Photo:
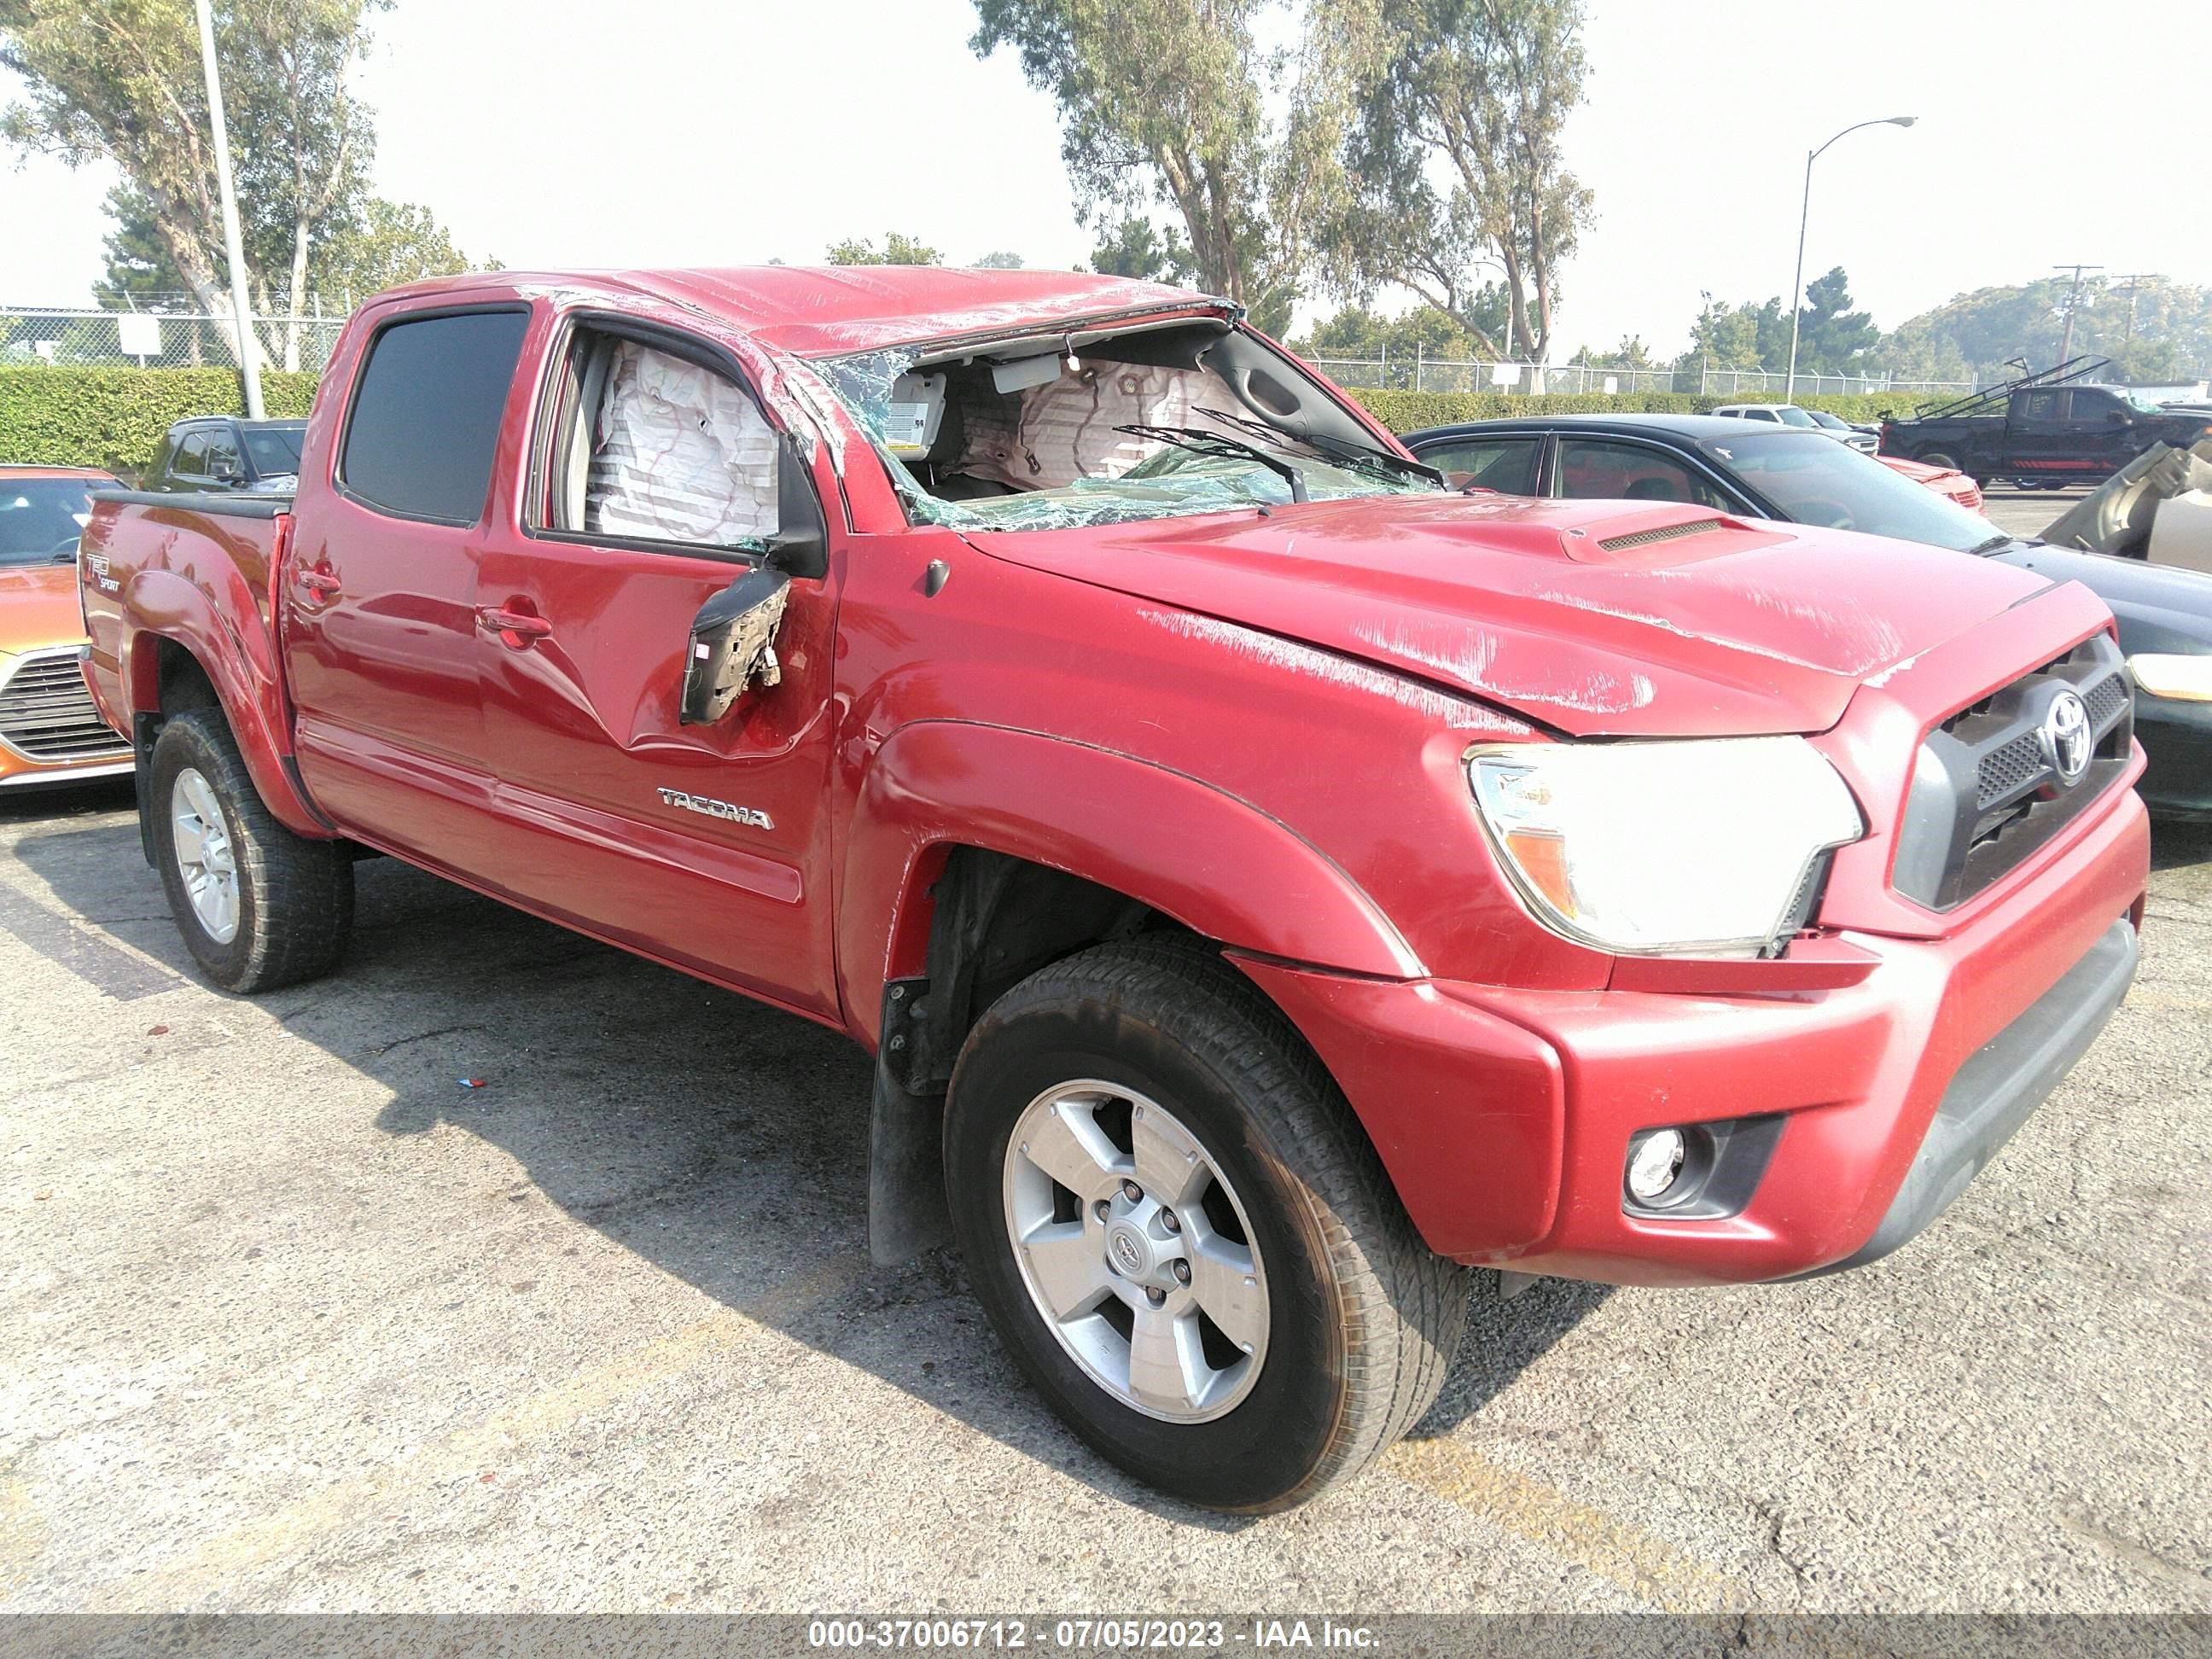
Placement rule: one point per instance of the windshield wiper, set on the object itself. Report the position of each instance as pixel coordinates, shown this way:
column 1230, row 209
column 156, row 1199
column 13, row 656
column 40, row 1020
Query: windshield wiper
column 1200, row 441
column 1992, row 544
column 1338, row 450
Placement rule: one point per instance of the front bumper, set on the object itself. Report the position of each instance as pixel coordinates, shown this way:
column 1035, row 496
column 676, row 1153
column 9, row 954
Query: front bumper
column 2004, row 1081
column 2177, row 740
column 1504, row 1116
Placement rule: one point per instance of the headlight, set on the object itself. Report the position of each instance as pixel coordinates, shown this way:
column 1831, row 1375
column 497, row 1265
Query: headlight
column 1705, row 846
column 2189, row 678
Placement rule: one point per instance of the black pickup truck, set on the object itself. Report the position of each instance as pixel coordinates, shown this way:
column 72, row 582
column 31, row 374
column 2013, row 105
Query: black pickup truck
column 2043, row 431
column 222, row 452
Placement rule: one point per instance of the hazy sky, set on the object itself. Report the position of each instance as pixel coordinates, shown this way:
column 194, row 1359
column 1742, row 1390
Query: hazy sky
column 693, row 132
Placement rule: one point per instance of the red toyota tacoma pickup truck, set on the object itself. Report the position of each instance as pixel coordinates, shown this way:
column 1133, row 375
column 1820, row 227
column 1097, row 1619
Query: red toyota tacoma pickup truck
column 1272, row 883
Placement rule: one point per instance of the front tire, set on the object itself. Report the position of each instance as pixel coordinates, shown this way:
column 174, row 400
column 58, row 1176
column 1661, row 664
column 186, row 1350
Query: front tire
column 259, row 907
column 1181, row 1235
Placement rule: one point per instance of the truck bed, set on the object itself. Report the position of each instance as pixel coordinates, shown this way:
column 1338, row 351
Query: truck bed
column 200, row 570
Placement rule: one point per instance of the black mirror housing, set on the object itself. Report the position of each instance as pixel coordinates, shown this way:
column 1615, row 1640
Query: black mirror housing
column 801, row 544
column 732, row 644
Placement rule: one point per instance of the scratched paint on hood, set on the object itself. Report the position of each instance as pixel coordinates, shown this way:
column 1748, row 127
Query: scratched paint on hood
column 1744, row 631
column 1465, row 657
column 1455, row 713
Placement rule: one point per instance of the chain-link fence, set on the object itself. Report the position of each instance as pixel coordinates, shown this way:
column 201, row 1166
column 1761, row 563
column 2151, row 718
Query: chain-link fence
column 1448, row 374
column 104, row 338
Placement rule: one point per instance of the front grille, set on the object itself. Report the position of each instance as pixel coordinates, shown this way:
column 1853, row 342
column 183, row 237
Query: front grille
column 1985, row 793
column 2005, row 769
column 46, row 714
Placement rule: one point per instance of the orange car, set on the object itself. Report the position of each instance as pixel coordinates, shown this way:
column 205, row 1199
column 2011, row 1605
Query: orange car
column 50, row 733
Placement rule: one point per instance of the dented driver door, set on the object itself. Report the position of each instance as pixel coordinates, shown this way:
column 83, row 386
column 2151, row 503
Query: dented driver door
column 650, row 489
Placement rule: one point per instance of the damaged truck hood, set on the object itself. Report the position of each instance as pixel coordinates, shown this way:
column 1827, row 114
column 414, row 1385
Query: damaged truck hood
column 1591, row 617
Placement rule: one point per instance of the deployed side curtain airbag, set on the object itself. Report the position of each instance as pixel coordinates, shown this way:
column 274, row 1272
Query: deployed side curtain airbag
column 679, row 455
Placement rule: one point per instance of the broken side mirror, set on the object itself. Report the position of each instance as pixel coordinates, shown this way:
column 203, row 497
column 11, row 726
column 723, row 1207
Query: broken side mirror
column 801, row 544
column 733, row 645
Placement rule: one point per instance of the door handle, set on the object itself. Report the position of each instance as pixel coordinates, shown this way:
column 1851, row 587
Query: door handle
column 321, row 583
column 517, row 627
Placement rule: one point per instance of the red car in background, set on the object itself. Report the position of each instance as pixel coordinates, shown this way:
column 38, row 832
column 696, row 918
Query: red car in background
column 1946, row 481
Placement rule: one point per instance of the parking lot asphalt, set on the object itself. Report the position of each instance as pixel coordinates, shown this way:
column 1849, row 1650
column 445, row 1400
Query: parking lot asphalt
column 2026, row 511
column 294, row 1320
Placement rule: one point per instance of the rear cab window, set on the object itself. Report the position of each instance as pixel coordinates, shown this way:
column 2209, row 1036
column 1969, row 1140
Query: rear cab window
column 426, row 413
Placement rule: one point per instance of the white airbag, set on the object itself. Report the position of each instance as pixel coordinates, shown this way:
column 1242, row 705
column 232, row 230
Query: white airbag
column 681, row 454
column 1066, row 428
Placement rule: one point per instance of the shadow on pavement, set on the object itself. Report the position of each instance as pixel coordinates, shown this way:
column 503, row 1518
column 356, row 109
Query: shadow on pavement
column 2173, row 845
column 58, row 803
column 723, row 1141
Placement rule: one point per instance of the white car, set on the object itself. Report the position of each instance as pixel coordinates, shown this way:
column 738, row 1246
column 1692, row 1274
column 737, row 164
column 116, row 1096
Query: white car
column 1816, row 420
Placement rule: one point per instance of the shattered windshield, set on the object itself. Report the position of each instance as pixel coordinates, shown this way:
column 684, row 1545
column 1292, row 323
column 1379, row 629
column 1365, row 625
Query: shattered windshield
column 1126, row 428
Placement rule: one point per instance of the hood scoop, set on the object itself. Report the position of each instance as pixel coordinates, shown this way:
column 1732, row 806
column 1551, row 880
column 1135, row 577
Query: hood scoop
column 1666, row 532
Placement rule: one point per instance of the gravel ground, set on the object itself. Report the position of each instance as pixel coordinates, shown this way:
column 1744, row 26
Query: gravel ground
column 293, row 1320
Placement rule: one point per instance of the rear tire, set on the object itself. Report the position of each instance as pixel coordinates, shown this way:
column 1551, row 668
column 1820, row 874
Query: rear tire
column 259, row 907
column 1942, row 458
column 1348, row 1322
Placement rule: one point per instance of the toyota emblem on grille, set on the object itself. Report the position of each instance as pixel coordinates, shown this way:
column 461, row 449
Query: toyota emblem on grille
column 2066, row 736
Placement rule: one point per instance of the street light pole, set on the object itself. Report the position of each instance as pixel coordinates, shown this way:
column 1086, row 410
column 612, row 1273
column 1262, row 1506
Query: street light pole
column 1804, row 215
column 233, row 248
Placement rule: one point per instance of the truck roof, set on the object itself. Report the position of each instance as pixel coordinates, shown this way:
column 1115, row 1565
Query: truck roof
column 825, row 310
column 1690, row 428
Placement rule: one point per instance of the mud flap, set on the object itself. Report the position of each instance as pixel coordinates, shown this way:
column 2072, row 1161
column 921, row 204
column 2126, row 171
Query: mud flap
column 907, row 1213
column 144, row 728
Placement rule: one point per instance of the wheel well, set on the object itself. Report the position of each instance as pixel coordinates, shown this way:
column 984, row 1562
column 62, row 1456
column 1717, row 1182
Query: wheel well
column 181, row 683
column 994, row 920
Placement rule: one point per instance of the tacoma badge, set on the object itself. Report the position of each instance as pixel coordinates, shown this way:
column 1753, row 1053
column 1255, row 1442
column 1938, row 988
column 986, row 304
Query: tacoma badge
column 711, row 808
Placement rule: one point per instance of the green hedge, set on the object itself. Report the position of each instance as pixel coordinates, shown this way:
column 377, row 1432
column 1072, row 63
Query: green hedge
column 114, row 417
column 1409, row 411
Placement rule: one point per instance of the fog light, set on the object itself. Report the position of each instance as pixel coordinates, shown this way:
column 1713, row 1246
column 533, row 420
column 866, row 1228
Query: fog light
column 1654, row 1164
